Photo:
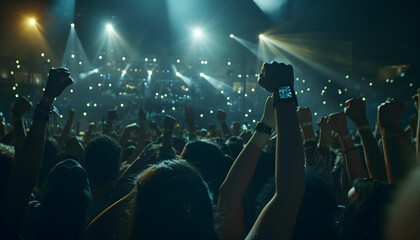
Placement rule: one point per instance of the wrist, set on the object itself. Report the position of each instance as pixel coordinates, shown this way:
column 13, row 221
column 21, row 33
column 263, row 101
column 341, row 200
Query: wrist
column 362, row 122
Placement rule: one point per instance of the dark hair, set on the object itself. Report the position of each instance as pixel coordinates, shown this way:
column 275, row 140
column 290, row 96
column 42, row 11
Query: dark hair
column 7, row 155
column 365, row 213
column 102, row 158
column 210, row 161
column 64, row 201
column 172, row 201
column 235, row 144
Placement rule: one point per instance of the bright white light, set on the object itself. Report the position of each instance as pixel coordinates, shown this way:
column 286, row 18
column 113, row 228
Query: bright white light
column 231, row 35
column 178, row 61
column 198, row 33
column 261, row 36
column 72, row 25
column 178, row 74
column 109, row 27
column 96, row 70
column 100, row 57
column 72, row 56
column 229, row 63
column 146, row 59
column 154, row 59
column 149, row 72
column 124, row 72
column 123, row 58
column 32, row 21
column 201, row 74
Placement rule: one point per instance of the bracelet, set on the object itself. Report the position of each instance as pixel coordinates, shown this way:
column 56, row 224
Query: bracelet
column 365, row 127
column 351, row 149
column 306, row 124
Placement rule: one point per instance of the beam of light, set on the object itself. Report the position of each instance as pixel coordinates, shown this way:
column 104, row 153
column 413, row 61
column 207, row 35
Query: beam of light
column 294, row 46
column 113, row 46
column 109, row 27
column 185, row 79
column 274, row 9
column 198, row 33
column 74, row 54
column 88, row 73
column 217, row 84
column 32, row 34
column 32, row 21
column 252, row 47
column 72, row 25
column 231, row 35
column 124, row 71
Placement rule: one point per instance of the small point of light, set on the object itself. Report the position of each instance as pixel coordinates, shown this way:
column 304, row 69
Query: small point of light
column 123, row 58
column 229, row 63
column 231, row 35
column 48, row 60
column 253, row 120
column 154, row 59
column 308, row 89
column 17, row 61
column 252, row 89
column 80, row 63
column 11, row 72
column 201, row 115
column 364, row 99
column 16, row 95
column 61, row 116
column 246, row 114
column 173, row 108
column 347, row 76
column 95, row 105
column 96, row 70
column 329, row 80
column 84, row 113
column 124, row 72
column 261, row 36
column 249, row 110
column 122, row 105
column 221, row 92
column 42, row 54
column 72, row 56
column 72, row 25
column 163, row 111
column 110, row 85
column 71, row 90
column 315, row 113
column 100, row 57
column 99, row 84
column 303, row 80
column 201, row 74
column 90, row 87
column 324, row 102
column 178, row 74
column 402, row 74
column 411, row 84
column 149, row 72
column 246, row 95
column 18, row 66
column 370, row 84
column 32, row 21
column 178, row 61
column 146, row 59
column 87, row 104
column 211, row 111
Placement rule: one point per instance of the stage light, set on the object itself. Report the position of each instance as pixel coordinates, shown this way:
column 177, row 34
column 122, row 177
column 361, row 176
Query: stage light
column 32, row 21
column 229, row 63
column 124, row 72
column 154, row 59
column 198, row 33
column 42, row 54
column 72, row 25
column 109, row 27
column 261, row 36
column 123, row 58
column 96, row 70
column 149, row 72
column 146, row 59
column 72, row 56
column 231, row 35
column 178, row 61
column 178, row 74
column 201, row 74
column 100, row 57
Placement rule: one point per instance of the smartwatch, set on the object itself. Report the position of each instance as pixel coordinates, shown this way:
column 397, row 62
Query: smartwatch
column 284, row 94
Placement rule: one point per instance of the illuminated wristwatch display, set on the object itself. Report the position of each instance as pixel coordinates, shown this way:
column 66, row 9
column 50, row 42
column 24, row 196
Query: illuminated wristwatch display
column 284, row 94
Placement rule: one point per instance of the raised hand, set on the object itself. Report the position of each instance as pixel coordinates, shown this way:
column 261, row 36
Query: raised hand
column 323, row 124
column 112, row 115
column 356, row 110
column 389, row 113
column 21, row 106
column 189, row 116
column 274, row 75
column 221, row 115
column 338, row 123
column 168, row 123
column 142, row 115
column 58, row 80
column 304, row 115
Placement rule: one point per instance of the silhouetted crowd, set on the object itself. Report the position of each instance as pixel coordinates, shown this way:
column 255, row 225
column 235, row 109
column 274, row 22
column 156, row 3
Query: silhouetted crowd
column 284, row 179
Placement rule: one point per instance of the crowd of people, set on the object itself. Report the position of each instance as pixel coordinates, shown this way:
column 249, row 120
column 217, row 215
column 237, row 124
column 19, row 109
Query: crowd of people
column 286, row 179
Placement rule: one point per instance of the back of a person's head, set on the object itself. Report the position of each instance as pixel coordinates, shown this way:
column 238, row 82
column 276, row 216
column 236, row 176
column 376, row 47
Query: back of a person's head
column 102, row 159
column 7, row 155
column 365, row 213
column 235, row 144
column 210, row 160
column 172, row 201
column 64, row 201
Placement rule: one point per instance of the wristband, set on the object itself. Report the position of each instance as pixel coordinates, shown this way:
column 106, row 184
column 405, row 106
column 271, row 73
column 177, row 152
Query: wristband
column 263, row 128
column 306, row 124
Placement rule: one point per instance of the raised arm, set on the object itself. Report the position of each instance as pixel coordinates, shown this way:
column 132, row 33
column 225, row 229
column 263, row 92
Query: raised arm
column 277, row 220
column 355, row 166
column 229, row 208
column 356, row 111
column 64, row 134
column 417, row 104
column 395, row 142
column 21, row 106
column 25, row 170
column 221, row 116
column 189, row 119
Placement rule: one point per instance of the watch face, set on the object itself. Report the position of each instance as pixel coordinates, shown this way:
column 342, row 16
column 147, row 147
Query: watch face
column 285, row 92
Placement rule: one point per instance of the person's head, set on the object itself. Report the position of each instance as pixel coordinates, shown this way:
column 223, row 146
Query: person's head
column 102, row 158
column 210, row 160
column 172, row 201
column 366, row 210
column 235, row 144
column 64, row 201
column 7, row 155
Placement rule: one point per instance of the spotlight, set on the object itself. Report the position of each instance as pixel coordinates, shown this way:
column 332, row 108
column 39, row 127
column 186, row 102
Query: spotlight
column 96, row 70
column 178, row 74
column 32, row 21
column 72, row 25
column 149, row 72
column 109, row 27
column 123, row 58
column 231, row 35
column 201, row 74
column 261, row 36
column 198, row 33
column 146, row 59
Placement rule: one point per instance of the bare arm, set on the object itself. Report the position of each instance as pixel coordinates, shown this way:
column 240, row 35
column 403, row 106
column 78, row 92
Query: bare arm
column 356, row 111
column 229, row 208
column 278, row 217
column 21, row 106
